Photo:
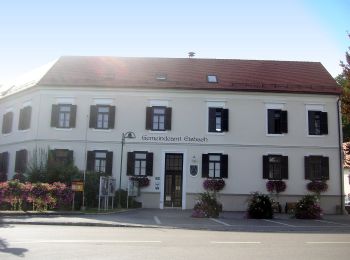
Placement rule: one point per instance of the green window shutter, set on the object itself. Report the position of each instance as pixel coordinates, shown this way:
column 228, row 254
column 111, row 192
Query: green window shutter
column 93, row 117
column 70, row 156
column 205, row 165
column 73, row 116
column 21, row 120
column 5, row 161
column 90, row 161
column 18, row 162
column 130, row 163
column 168, row 118
column 109, row 163
column 212, row 119
column 311, row 120
column 284, row 121
column 284, row 168
column 27, row 117
column 111, row 117
column 54, row 115
column 270, row 121
column 224, row 166
column 149, row 164
column 307, row 167
column 266, row 167
column 149, row 119
column 324, row 123
column 325, row 168
column 224, row 120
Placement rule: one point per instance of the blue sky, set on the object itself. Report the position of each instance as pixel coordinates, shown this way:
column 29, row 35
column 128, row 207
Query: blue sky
column 33, row 33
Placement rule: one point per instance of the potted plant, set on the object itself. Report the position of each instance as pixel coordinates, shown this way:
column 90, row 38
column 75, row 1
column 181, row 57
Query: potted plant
column 214, row 185
column 142, row 180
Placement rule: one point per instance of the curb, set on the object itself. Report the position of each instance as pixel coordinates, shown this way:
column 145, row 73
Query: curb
column 78, row 224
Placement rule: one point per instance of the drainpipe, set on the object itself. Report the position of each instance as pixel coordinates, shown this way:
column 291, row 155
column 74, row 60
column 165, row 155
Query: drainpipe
column 340, row 159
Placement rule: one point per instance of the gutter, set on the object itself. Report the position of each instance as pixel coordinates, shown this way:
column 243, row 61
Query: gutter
column 340, row 137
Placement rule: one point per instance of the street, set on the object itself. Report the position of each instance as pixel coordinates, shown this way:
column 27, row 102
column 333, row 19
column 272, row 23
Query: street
column 72, row 242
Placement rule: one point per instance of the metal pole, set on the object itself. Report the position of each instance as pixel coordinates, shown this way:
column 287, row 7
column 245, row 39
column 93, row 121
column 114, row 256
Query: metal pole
column 120, row 174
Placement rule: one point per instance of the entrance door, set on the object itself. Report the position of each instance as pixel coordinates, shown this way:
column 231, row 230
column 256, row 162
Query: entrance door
column 173, row 180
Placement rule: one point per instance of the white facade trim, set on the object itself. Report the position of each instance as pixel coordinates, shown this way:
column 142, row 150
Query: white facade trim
column 103, row 101
column 65, row 100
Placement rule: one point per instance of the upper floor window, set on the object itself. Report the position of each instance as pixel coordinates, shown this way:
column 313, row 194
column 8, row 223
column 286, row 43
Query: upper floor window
column 100, row 161
column 277, row 121
column 212, row 79
column 218, row 119
column 7, row 122
column 63, row 115
column 102, row 116
column 25, row 118
column 140, row 163
column 158, row 118
column 21, row 161
column 215, row 165
column 275, row 167
column 316, row 167
column 318, row 122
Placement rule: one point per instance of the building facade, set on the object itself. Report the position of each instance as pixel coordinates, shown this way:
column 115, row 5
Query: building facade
column 244, row 121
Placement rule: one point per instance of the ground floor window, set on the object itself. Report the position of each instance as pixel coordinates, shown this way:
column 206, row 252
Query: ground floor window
column 140, row 163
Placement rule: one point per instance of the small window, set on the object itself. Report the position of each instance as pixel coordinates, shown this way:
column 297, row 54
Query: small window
column 99, row 161
column 275, row 167
column 63, row 115
column 218, row 119
column 21, row 161
column 24, row 118
column 140, row 163
column 7, row 123
column 316, row 167
column 102, row 117
column 214, row 165
column 318, row 122
column 277, row 121
column 212, row 79
column 158, row 118
column 61, row 156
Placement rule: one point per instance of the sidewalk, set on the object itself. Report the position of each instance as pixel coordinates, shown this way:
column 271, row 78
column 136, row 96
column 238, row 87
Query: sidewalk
column 173, row 218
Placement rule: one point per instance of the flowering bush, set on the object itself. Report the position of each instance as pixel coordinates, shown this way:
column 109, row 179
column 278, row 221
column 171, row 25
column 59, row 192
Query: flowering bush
column 276, row 186
column 41, row 196
column 207, row 206
column 20, row 177
column 142, row 180
column 260, row 206
column 214, row 184
column 308, row 208
column 317, row 186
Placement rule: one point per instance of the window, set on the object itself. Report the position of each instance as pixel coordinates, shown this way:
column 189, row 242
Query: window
column 158, row 118
column 214, row 165
column 7, row 123
column 24, row 118
column 140, row 163
column 100, row 161
column 102, row 117
column 316, row 168
column 61, row 156
column 161, row 77
column 318, row 122
column 63, row 116
column 4, row 162
column 21, row 161
column 277, row 121
column 212, row 79
column 275, row 167
column 218, row 120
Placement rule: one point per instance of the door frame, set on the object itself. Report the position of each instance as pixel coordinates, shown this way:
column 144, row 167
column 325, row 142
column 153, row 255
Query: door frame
column 184, row 176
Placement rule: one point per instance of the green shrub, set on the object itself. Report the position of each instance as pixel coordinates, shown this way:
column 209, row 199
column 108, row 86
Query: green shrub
column 207, row 206
column 308, row 208
column 260, row 206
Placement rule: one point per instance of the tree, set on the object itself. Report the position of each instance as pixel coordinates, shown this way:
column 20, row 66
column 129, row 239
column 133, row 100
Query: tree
column 344, row 81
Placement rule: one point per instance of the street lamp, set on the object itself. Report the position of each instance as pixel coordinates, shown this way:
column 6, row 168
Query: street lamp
column 127, row 135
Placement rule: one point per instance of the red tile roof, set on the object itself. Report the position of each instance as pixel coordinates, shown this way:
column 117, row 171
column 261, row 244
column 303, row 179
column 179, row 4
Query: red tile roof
column 185, row 73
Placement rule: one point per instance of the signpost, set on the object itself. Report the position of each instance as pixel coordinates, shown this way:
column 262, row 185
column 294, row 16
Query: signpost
column 133, row 190
column 77, row 186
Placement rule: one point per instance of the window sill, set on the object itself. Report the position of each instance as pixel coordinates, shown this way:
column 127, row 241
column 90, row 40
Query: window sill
column 101, row 130
column 158, row 132
column 6, row 134
column 275, row 135
column 24, row 130
column 316, row 136
column 63, row 129
column 216, row 133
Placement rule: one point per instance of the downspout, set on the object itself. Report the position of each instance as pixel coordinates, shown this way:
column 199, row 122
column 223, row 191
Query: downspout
column 340, row 159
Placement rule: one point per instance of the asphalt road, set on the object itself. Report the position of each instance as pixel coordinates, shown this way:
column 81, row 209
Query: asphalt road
column 64, row 242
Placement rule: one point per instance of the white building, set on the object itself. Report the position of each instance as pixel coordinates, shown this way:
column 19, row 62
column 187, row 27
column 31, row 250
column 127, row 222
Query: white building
column 243, row 120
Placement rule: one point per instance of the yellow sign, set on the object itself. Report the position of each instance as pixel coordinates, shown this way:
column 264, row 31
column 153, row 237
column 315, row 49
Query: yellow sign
column 77, row 185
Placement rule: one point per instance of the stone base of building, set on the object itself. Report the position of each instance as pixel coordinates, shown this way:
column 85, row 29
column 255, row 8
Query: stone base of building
column 238, row 202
